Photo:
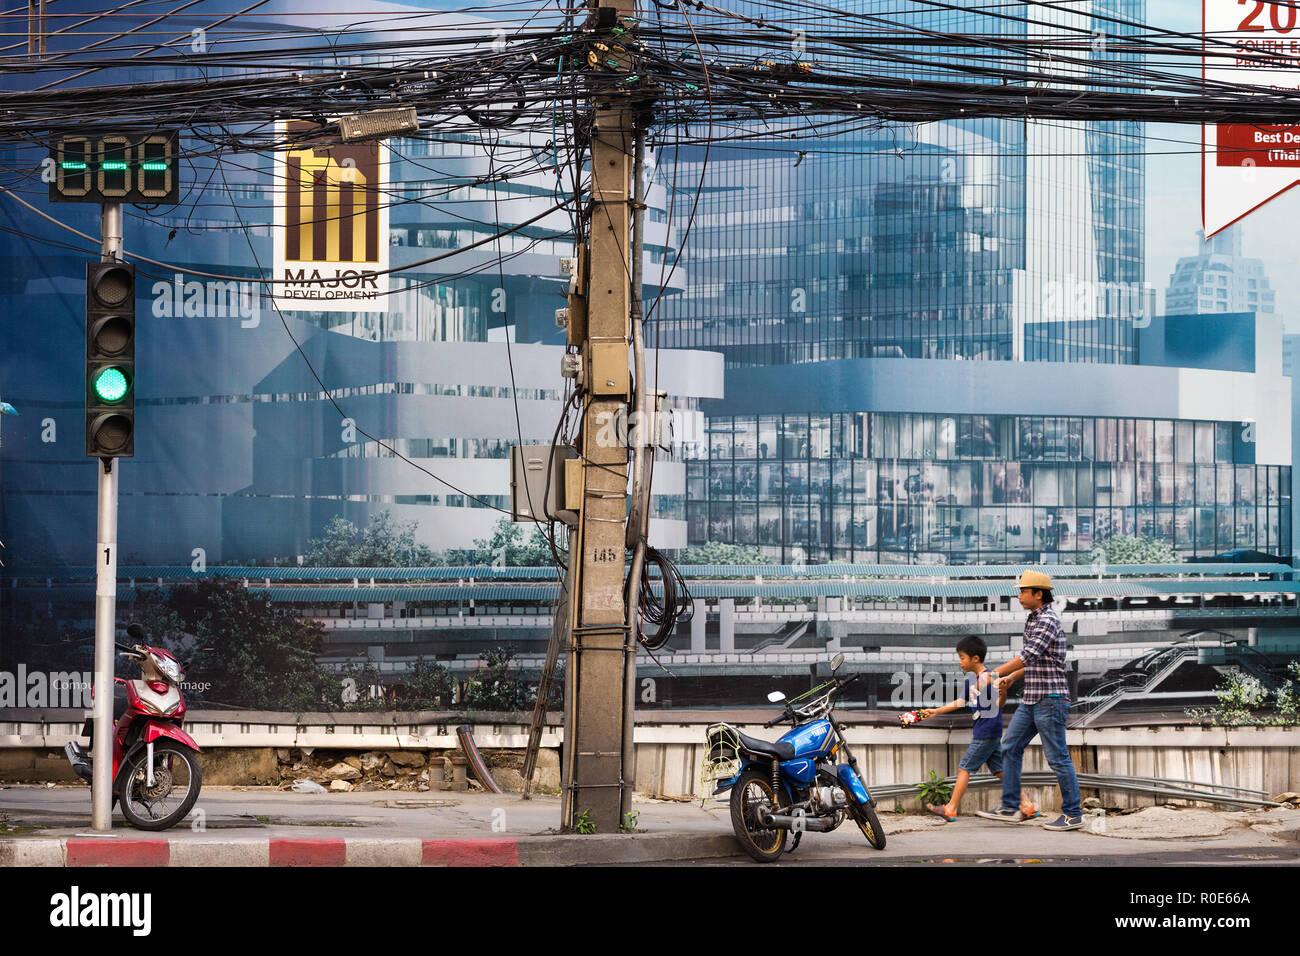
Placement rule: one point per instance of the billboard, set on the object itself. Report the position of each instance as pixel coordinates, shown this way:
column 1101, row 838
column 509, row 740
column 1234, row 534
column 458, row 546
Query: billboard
column 1243, row 165
column 331, row 222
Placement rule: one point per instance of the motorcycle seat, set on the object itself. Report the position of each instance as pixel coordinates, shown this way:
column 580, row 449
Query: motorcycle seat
column 781, row 750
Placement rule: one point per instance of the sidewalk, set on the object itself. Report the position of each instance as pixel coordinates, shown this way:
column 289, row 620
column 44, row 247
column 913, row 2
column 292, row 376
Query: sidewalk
column 261, row 826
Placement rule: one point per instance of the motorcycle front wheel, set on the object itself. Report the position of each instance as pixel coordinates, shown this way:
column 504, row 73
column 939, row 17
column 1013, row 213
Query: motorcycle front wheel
column 175, row 788
column 869, row 824
column 751, row 791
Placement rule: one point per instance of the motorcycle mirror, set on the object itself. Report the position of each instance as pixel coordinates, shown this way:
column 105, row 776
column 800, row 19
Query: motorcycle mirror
column 136, row 631
column 836, row 661
column 776, row 697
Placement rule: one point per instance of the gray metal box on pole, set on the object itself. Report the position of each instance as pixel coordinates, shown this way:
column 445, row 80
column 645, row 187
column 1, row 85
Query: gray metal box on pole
column 537, row 478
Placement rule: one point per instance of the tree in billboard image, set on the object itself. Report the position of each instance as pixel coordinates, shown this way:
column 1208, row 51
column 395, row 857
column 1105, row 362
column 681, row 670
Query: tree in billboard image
column 720, row 552
column 1126, row 549
column 497, row 685
column 384, row 543
column 1242, row 700
column 510, row 548
column 246, row 654
column 428, row 685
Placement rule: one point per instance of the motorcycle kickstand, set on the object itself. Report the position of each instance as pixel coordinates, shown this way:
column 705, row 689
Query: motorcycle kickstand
column 795, row 845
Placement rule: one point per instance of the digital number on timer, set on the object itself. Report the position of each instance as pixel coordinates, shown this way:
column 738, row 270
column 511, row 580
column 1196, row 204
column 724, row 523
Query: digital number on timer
column 115, row 167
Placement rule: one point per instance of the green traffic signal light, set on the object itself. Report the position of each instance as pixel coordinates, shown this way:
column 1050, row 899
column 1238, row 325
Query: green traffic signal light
column 111, row 385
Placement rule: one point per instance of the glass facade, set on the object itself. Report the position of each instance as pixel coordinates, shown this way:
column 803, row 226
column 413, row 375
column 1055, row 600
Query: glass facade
column 983, row 239
column 964, row 489
column 995, row 240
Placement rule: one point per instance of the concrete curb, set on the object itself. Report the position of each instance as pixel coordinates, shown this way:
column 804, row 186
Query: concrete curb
column 559, row 850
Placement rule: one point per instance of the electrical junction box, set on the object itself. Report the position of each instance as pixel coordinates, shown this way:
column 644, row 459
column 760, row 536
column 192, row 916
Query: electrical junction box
column 610, row 374
column 532, row 496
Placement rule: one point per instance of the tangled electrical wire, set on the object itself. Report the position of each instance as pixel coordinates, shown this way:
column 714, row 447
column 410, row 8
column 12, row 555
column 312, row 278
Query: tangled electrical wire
column 784, row 60
column 664, row 612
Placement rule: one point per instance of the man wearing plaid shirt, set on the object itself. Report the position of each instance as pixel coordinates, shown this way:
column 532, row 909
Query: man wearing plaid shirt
column 1044, row 703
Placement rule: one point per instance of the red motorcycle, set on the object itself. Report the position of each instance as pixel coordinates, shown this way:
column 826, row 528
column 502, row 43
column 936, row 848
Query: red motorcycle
column 156, row 774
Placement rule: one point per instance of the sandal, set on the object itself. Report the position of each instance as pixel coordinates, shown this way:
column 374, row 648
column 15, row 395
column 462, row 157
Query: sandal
column 1031, row 814
column 940, row 812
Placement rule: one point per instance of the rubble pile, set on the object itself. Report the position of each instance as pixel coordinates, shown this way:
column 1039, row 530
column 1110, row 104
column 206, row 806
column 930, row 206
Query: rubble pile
column 346, row 770
column 410, row 770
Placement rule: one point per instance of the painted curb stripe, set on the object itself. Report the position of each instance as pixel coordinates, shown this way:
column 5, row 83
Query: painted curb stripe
column 308, row 852
column 219, row 853
column 391, row 852
column 109, row 852
column 470, row 853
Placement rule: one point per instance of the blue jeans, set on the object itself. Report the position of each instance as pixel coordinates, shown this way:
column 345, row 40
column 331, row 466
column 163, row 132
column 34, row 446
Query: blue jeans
column 1045, row 718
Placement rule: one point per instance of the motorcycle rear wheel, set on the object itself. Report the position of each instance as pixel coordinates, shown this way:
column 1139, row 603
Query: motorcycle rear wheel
column 869, row 824
column 752, row 790
column 160, row 810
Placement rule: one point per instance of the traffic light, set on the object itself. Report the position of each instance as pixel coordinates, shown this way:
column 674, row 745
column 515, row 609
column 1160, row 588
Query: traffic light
column 110, row 360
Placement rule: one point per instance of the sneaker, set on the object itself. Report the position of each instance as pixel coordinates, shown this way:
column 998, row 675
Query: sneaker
column 1006, row 816
column 1065, row 823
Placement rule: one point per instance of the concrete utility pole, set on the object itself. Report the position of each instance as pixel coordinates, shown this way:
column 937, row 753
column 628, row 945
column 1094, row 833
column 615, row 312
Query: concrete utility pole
column 101, row 789
column 600, row 649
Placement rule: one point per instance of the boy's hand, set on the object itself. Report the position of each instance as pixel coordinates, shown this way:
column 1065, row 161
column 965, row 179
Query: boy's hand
column 927, row 712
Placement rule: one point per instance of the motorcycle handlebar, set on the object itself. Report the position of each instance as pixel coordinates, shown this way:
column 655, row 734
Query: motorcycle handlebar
column 776, row 720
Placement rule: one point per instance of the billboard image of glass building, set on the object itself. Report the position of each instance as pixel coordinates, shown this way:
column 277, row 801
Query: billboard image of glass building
column 912, row 342
column 941, row 345
column 246, row 447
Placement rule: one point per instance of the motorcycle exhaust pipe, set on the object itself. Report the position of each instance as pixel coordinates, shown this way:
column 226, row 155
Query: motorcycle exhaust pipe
column 784, row 821
column 79, row 759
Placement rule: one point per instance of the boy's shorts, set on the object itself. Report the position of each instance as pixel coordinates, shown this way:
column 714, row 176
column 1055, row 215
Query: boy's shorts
column 981, row 752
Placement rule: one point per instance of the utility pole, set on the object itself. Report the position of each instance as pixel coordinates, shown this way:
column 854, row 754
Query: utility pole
column 101, row 795
column 36, row 27
column 600, row 647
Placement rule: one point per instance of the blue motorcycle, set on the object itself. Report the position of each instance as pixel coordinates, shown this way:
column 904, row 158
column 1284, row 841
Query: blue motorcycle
column 797, row 784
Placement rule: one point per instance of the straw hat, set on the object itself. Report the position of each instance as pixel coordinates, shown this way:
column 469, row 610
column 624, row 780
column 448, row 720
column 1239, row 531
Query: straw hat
column 1035, row 579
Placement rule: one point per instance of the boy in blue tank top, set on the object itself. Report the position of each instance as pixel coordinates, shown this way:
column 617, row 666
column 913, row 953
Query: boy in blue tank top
column 986, row 743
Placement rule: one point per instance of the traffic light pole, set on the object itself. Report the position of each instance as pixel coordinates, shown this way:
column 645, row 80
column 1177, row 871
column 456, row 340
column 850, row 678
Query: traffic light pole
column 110, row 231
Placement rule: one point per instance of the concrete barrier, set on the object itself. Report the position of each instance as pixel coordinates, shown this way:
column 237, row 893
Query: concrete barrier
column 1263, row 758
column 668, row 755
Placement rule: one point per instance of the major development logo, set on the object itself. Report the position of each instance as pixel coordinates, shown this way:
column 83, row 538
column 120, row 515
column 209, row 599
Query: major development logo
column 331, row 222
column 1243, row 166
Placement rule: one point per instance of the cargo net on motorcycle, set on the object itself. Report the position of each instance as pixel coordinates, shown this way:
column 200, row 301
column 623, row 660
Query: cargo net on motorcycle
column 721, row 759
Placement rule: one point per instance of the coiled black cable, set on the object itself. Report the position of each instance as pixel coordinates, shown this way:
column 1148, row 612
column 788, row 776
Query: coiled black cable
column 666, row 612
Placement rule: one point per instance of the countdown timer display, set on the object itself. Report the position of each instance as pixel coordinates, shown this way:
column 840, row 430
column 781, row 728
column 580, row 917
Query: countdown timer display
column 113, row 166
